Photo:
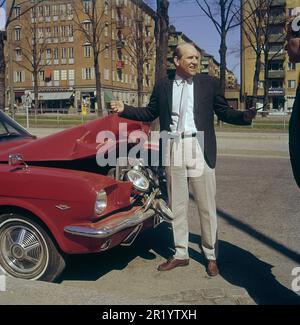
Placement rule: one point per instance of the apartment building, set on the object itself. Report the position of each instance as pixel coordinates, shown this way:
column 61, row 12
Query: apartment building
column 282, row 76
column 53, row 39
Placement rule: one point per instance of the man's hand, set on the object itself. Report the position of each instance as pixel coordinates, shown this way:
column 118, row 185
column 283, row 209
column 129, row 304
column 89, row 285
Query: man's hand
column 250, row 114
column 117, row 106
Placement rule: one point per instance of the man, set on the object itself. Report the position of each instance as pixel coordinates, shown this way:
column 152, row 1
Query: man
column 293, row 49
column 202, row 98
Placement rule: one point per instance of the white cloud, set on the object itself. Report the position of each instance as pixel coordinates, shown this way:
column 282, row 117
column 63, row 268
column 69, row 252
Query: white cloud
column 2, row 18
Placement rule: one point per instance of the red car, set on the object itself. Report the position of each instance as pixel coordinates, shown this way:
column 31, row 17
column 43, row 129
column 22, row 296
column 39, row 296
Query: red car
column 56, row 200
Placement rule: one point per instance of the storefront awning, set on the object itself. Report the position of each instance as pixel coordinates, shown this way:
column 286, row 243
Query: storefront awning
column 54, row 96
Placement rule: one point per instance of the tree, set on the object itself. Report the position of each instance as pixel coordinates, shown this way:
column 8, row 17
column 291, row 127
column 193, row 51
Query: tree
column 223, row 14
column 161, row 33
column 10, row 7
column 140, row 47
column 90, row 20
column 259, row 17
column 33, row 53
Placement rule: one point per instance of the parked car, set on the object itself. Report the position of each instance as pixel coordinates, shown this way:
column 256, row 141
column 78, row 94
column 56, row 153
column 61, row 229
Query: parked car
column 56, row 200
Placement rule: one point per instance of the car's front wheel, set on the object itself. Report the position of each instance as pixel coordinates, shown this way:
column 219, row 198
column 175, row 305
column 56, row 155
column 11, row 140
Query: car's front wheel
column 27, row 251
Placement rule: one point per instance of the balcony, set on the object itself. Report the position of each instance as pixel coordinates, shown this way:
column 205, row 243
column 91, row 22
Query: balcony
column 276, row 74
column 276, row 92
column 276, row 38
column 276, row 20
column 276, row 57
column 278, row 3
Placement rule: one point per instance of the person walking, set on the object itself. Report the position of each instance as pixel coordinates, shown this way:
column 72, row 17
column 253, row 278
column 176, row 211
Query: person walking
column 186, row 105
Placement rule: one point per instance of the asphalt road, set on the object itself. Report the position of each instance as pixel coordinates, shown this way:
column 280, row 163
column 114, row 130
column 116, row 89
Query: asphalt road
column 259, row 222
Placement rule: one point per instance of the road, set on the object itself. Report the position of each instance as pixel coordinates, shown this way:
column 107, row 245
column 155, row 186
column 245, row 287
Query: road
column 259, row 221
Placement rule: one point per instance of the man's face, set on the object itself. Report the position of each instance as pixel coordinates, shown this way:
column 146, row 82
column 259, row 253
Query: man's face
column 187, row 64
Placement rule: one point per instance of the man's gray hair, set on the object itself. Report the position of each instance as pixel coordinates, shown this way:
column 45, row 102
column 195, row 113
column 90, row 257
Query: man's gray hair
column 178, row 50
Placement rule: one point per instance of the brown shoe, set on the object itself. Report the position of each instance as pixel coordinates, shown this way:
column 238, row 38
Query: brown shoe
column 212, row 268
column 172, row 263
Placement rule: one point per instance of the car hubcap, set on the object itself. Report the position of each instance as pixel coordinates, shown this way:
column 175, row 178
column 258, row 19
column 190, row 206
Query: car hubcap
column 23, row 252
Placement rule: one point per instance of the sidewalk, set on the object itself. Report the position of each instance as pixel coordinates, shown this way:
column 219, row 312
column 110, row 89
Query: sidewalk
column 23, row 292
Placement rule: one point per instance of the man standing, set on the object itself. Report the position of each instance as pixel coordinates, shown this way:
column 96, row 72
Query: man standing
column 185, row 105
column 293, row 49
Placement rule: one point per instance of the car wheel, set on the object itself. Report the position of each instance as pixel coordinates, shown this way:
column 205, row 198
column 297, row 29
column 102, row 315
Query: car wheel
column 27, row 251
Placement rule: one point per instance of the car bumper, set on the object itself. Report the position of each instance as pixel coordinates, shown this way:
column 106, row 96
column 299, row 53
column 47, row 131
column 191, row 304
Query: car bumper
column 112, row 225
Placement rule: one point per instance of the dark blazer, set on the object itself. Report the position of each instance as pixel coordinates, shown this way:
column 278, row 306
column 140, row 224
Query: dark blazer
column 294, row 138
column 207, row 101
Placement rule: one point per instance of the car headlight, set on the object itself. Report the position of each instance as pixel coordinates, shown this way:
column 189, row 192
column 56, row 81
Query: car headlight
column 138, row 179
column 101, row 202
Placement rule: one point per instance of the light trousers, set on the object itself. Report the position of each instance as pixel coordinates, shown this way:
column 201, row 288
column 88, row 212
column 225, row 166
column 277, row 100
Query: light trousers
column 203, row 184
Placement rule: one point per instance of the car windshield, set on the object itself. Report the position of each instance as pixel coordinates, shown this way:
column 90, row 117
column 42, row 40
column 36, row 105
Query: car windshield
column 10, row 129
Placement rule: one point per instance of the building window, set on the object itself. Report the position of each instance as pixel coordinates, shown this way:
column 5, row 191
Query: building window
column 71, row 74
column 47, row 11
column 87, row 51
column 18, row 54
column 42, row 75
column 63, row 53
column 54, row 10
column 62, row 9
column 55, row 31
column 63, row 74
column 87, row 73
column 87, row 26
column 292, row 66
column 17, row 12
column 71, row 53
column 106, row 74
column 55, row 54
column 71, row 31
column 292, row 84
column 48, row 53
column 63, row 31
column 69, row 9
column 87, row 6
column 19, row 76
column 48, row 32
column 17, row 34
column 56, row 75
column 41, row 11
column 106, row 7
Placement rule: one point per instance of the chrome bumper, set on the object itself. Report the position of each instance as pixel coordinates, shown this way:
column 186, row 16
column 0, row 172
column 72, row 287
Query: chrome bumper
column 112, row 226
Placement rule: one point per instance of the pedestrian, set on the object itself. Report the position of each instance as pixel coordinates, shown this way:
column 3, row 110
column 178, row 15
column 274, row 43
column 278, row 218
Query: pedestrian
column 293, row 49
column 202, row 98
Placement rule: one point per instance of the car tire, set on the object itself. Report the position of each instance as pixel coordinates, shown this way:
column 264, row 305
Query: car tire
column 27, row 251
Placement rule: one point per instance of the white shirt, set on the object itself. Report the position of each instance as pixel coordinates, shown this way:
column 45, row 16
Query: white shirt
column 189, row 125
